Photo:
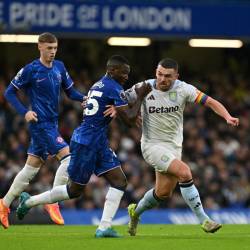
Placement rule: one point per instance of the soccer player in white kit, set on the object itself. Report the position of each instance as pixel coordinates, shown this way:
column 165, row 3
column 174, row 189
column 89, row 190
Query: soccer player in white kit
column 161, row 142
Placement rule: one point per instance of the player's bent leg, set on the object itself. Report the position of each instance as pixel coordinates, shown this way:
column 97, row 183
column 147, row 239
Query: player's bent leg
column 163, row 189
column 59, row 193
column 4, row 214
column 210, row 226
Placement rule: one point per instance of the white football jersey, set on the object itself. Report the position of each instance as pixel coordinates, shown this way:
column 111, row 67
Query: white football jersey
column 162, row 113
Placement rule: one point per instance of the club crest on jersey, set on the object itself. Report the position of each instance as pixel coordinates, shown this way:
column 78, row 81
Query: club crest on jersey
column 173, row 96
column 123, row 95
column 59, row 139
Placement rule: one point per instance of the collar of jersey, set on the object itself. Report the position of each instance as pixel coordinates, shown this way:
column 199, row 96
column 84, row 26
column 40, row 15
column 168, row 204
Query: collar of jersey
column 44, row 65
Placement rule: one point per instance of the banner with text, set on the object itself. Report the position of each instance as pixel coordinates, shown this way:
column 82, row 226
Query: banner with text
column 105, row 18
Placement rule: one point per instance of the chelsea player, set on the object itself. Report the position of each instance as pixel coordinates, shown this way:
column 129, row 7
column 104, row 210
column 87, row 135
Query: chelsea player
column 89, row 147
column 41, row 80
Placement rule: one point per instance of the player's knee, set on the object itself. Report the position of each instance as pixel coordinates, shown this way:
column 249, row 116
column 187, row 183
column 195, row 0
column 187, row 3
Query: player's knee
column 185, row 174
column 163, row 194
column 120, row 184
column 74, row 192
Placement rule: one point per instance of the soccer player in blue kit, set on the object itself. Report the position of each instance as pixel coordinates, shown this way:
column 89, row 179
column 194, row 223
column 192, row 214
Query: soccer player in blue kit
column 89, row 147
column 41, row 81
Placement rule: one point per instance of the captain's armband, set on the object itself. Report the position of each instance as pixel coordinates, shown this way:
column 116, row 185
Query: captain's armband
column 201, row 98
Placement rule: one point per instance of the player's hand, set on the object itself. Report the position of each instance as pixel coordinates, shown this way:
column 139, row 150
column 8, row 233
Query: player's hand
column 84, row 102
column 31, row 116
column 110, row 111
column 233, row 121
column 142, row 89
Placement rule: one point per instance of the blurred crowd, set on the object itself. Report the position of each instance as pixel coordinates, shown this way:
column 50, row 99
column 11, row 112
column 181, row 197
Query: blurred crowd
column 218, row 154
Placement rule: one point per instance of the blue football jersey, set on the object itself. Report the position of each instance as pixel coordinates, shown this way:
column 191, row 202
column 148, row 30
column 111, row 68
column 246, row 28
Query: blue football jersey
column 42, row 85
column 104, row 92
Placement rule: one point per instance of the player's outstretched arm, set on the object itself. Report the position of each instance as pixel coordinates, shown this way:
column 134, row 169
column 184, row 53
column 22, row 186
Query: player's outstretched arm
column 129, row 113
column 219, row 108
column 74, row 94
column 139, row 89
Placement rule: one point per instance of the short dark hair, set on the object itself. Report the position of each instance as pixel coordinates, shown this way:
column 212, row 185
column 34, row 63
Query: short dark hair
column 47, row 38
column 117, row 60
column 169, row 63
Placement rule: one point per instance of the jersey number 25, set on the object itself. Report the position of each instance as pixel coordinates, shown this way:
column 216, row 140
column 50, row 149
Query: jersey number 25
column 92, row 102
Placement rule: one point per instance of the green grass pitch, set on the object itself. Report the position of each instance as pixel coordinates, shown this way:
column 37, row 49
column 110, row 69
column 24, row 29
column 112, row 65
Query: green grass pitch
column 149, row 237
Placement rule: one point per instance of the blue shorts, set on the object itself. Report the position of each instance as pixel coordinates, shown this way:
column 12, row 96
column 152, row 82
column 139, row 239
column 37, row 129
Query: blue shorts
column 85, row 160
column 45, row 139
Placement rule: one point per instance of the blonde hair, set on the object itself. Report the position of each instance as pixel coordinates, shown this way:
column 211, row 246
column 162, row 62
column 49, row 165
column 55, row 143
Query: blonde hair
column 47, row 38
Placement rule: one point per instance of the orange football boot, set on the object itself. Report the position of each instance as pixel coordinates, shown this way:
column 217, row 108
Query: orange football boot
column 54, row 213
column 4, row 214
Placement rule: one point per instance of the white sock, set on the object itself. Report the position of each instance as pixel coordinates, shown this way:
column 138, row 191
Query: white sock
column 56, row 194
column 192, row 198
column 111, row 205
column 19, row 184
column 62, row 176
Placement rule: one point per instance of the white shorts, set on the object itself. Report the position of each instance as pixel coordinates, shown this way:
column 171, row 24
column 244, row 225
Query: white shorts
column 160, row 155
